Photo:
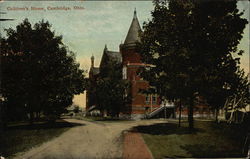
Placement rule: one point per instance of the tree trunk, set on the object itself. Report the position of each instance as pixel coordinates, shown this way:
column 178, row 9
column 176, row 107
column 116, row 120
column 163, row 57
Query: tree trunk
column 180, row 114
column 37, row 116
column 101, row 112
column 190, row 113
column 31, row 117
column 3, row 122
column 216, row 115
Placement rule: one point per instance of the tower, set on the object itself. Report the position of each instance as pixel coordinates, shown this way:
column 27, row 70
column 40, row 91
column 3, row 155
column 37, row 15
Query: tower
column 131, row 61
column 128, row 49
column 93, row 76
column 92, row 61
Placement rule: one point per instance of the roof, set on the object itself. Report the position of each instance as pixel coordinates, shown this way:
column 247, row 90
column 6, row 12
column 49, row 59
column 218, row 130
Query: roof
column 133, row 32
column 114, row 56
column 95, row 70
column 108, row 56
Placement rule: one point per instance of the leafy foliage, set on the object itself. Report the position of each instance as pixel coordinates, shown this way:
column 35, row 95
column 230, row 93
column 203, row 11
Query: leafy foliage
column 191, row 46
column 39, row 73
column 111, row 89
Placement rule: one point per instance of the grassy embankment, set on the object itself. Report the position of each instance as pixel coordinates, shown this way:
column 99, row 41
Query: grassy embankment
column 21, row 136
column 207, row 140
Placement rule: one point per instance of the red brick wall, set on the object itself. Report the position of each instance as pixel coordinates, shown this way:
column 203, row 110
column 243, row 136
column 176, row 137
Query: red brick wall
column 133, row 62
column 130, row 56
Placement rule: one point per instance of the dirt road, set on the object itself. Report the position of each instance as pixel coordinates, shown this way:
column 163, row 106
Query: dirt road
column 91, row 140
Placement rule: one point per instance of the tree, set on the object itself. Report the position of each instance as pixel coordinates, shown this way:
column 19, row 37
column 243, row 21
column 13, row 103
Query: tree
column 241, row 96
column 111, row 89
column 190, row 44
column 218, row 95
column 76, row 109
column 39, row 73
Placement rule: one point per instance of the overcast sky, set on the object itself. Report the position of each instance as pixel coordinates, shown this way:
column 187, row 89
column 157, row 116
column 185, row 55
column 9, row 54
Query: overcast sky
column 87, row 30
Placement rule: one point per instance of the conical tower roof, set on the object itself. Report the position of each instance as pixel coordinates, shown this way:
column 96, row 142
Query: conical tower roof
column 133, row 32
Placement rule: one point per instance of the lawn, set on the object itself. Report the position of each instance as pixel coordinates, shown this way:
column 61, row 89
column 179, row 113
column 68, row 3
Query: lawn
column 207, row 140
column 20, row 137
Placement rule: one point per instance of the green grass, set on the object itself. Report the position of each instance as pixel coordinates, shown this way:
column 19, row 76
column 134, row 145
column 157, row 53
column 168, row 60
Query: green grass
column 207, row 140
column 21, row 137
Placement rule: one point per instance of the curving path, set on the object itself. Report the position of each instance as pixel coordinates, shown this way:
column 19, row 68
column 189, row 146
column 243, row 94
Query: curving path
column 91, row 140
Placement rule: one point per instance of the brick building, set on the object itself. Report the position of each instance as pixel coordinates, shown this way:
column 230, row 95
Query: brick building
column 141, row 104
column 131, row 62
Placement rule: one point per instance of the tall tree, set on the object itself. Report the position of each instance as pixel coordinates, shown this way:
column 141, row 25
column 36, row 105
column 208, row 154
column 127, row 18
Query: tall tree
column 111, row 89
column 240, row 98
column 39, row 72
column 190, row 43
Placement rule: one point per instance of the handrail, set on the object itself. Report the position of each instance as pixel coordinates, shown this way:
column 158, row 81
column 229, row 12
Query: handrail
column 155, row 111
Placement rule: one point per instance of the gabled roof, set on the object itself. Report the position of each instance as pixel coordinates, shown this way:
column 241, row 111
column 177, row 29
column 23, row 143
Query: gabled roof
column 110, row 56
column 133, row 32
column 114, row 56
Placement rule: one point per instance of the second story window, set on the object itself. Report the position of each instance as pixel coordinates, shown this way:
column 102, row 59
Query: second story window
column 124, row 72
column 151, row 99
column 154, row 99
column 148, row 99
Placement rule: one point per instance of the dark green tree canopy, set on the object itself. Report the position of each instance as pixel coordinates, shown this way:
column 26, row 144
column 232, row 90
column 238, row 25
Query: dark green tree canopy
column 111, row 90
column 191, row 45
column 38, row 69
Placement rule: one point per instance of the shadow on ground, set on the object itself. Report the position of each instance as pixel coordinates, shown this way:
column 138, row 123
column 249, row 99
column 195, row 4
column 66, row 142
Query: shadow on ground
column 44, row 125
column 164, row 129
column 21, row 136
column 211, row 151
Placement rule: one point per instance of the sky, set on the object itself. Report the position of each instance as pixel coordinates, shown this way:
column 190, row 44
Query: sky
column 86, row 31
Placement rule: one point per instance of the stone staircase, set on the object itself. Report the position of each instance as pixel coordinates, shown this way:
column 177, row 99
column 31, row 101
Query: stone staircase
column 155, row 112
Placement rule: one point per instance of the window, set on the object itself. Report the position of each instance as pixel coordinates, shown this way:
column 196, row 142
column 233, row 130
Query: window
column 124, row 72
column 151, row 98
column 154, row 99
column 126, row 93
column 148, row 99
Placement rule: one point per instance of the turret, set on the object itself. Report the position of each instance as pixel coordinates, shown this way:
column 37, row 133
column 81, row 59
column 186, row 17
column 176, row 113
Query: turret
column 128, row 48
column 105, row 48
column 133, row 33
column 92, row 61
